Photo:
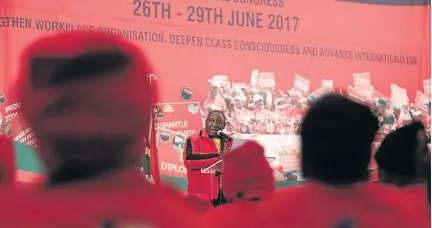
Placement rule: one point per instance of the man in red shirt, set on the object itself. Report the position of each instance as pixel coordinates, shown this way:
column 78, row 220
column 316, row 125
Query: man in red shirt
column 397, row 161
column 88, row 98
column 203, row 149
column 335, row 166
column 247, row 180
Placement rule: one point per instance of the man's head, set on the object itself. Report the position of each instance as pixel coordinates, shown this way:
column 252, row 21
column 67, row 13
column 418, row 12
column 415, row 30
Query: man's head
column 336, row 141
column 215, row 122
column 382, row 106
column 259, row 101
column 397, row 155
column 86, row 95
column 247, row 174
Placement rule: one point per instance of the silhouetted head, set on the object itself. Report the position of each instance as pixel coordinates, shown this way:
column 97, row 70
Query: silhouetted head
column 336, row 141
column 397, row 155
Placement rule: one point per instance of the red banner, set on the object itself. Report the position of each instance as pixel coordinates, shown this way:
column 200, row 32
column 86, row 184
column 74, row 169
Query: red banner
column 170, row 152
column 181, row 117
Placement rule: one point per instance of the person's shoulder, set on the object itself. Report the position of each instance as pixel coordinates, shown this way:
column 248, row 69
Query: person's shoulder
column 283, row 201
column 384, row 192
column 195, row 135
column 291, row 192
column 397, row 204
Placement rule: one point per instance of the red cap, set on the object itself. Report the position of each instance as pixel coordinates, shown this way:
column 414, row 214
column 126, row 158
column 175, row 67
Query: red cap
column 246, row 173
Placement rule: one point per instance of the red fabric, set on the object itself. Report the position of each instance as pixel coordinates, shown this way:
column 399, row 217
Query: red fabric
column 239, row 214
column 247, row 171
column 416, row 195
column 7, row 162
column 364, row 205
column 203, row 184
column 123, row 197
column 198, row 204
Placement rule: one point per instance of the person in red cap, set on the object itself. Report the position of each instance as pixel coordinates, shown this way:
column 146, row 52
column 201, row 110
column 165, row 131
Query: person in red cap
column 247, row 180
column 398, row 160
column 335, row 166
column 7, row 162
column 88, row 98
column 202, row 150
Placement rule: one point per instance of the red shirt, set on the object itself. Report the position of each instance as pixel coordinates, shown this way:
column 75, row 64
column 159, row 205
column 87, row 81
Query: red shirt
column 123, row 199
column 417, row 196
column 234, row 215
column 316, row 205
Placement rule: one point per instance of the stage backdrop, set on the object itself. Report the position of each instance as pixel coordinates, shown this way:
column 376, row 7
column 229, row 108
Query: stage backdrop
column 262, row 62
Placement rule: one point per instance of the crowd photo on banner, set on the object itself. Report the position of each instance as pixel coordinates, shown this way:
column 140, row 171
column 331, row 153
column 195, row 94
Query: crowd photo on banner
column 218, row 114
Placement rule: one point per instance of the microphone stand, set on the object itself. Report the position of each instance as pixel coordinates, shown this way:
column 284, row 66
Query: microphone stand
column 220, row 200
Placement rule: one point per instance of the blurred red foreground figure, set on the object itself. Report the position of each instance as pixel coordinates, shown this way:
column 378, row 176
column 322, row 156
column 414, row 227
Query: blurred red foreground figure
column 88, row 98
column 247, row 181
column 335, row 165
column 7, row 162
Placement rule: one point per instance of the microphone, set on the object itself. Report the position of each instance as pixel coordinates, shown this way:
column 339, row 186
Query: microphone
column 225, row 136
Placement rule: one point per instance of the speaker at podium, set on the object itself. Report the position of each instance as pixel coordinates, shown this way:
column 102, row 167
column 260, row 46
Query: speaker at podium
column 217, row 167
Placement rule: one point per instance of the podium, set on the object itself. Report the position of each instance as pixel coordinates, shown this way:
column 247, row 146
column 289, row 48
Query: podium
column 216, row 169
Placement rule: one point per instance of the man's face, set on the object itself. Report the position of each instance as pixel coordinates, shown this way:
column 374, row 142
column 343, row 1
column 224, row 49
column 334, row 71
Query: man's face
column 83, row 101
column 380, row 118
column 386, row 128
column 381, row 109
column 238, row 104
column 259, row 104
column 418, row 118
column 215, row 121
